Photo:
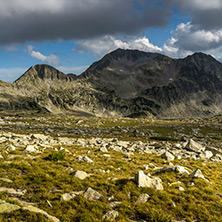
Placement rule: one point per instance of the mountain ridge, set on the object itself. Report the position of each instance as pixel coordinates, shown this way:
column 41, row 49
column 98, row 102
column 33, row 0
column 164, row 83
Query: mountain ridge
column 124, row 83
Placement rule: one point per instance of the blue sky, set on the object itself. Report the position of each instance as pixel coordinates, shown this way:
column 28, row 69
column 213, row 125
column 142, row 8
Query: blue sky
column 71, row 35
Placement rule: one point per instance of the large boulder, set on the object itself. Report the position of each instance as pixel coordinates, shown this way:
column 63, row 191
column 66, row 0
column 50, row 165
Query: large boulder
column 194, row 146
column 143, row 180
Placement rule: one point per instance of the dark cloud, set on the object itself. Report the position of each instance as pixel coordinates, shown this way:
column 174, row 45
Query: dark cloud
column 206, row 14
column 24, row 20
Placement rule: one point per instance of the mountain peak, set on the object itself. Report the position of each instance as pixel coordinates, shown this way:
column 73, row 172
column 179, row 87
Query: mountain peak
column 44, row 72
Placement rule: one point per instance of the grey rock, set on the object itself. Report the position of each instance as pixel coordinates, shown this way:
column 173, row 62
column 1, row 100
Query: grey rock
column 194, row 146
column 197, row 174
column 111, row 215
column 80, row 174
column 143, row 180
column 167, row 156
column 142, row 198
column 91, row 194
column 8, row 208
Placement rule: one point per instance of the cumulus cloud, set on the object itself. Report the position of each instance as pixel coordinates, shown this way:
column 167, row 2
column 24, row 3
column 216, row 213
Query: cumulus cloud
column 188, row 38
column 51, row 59
column 39, row 20
column 106, row 44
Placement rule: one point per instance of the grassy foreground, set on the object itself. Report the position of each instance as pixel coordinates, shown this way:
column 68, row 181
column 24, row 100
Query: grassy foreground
column 46, row 176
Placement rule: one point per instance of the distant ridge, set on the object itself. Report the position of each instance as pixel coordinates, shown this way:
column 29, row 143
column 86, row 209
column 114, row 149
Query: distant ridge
column 123, row 83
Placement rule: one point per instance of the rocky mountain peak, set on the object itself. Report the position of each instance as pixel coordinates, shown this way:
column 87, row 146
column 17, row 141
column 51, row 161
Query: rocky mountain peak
column 44, row 72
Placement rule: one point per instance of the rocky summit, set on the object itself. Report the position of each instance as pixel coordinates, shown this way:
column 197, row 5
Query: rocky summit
column 123, row 83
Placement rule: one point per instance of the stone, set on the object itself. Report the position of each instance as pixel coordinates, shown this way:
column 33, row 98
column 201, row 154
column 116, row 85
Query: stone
column 84, row 158
column 31, row 148
column 111, row 215
column 167, row 156
column 180, row 188
column 197, row 174
column 80, row 174
column 182, row 170
column 39, row 211
column 143, row 180
column 194, row 146
column 142, row 198
column 177, row 169
column 8, row 208
column 10, row 148
column 103, row 149
column 114, row 204
column 87, row 159
column 91, row 194
column 6, row 180
column 70, row 196
column 208, row 154
column 67, row 197
column 12, row 191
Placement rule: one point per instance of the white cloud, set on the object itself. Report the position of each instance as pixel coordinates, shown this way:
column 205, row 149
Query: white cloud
column 106, row 44
column 189, row 38
column 51, row 59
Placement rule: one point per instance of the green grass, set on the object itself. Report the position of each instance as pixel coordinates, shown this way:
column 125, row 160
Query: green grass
column 47, row 172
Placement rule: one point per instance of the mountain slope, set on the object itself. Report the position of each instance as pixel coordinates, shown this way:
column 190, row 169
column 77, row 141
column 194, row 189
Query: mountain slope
column 126, row 83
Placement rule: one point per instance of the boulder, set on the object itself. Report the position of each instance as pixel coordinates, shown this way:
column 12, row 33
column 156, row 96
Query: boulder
column 80, row 174
column 39, row 211
column 13, row 191
column 143, row 180
column 194, row 146
column 8, row 208
column 91, row 194
column 197, row 174
column 31, row 149
column 167, row 156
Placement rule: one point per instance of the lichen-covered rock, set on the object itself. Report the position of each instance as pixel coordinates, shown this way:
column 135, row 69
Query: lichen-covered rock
column 91, row 194
column 8, row 208
column 39, row 211
column 111, row 215
column 142, row 198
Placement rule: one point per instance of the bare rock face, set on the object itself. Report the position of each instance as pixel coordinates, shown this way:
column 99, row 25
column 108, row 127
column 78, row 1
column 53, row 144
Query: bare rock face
column 143, row 180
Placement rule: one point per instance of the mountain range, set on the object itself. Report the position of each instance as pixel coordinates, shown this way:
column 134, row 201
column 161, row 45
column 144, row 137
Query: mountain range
column 123, row 83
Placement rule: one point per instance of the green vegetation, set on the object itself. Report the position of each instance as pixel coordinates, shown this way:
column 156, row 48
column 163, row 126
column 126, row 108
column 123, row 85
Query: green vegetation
column 46, row 176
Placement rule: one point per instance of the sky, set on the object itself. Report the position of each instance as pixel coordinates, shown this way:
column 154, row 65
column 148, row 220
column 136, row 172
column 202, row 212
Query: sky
column 72, row 34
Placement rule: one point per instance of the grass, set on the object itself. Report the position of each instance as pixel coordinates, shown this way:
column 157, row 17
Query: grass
column 46, row 177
